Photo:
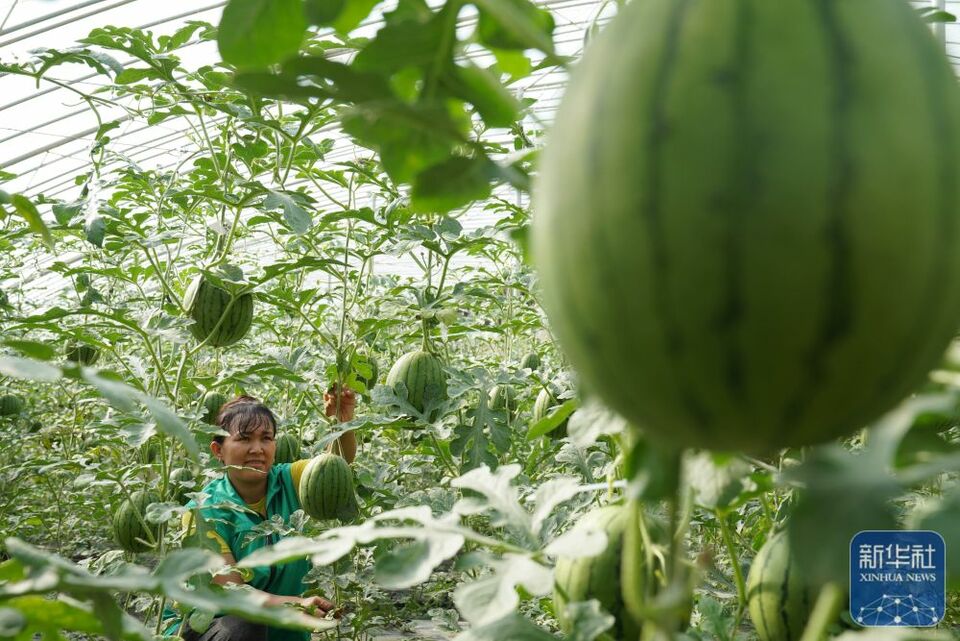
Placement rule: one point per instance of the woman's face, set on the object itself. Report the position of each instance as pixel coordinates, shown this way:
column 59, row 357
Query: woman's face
column 252, row 452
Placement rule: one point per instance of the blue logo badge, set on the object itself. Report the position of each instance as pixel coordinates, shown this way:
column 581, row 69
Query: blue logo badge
column 897, row 578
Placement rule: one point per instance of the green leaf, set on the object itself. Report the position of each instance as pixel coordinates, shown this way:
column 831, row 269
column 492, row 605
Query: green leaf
column 323, row 12
column 29, row 212
column 410, row 138
column 64, row 213
column 592, row 421
column 717, row 481
column 500, row 496
column 96, row 229
column 940, row 515
column 514, row 627
column 587, row 620
column 483, row 90
column 409, row 43
column 259, row 33
column 49, row 616
column 514, row 24
column 405, row 565
column 353, row 14
column 553, row 419
column 513, row 63
column 549, row 495
column 344, row 82
column 32, row 349
column 453, row 183
column 131, row 75
column 849, row 493
column 29, row 370
column 295, row 216
column 494, row 597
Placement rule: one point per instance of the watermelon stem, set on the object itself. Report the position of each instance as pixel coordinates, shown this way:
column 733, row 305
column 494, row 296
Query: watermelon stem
column 737, row 570
column 824, row 613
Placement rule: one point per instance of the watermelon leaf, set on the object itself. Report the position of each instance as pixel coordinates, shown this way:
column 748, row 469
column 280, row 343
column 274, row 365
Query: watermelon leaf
column 259, row 33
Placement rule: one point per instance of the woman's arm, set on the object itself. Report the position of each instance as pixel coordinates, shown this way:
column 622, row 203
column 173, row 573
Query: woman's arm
column 346, row 445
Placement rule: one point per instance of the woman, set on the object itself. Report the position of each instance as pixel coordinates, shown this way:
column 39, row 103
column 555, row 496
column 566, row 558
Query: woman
column 266, row 490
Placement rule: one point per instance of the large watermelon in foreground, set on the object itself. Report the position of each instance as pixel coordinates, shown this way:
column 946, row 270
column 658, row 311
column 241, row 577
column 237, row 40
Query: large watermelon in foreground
column 423, row 374
column 218, row 317
column 128, row 528
column 746, row 220
column 779, row 599
column 326, row 488
column 597, row 577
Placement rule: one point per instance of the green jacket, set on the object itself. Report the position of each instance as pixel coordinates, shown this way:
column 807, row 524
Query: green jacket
column 233, row 526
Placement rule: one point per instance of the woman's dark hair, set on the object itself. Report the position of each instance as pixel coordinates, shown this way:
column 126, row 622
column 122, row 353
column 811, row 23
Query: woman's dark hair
column 243, row 415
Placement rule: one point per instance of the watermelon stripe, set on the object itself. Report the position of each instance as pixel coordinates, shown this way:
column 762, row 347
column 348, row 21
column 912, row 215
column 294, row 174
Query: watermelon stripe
column 745, row 181
column 836, row 323
column 785, row 595
column 763, row 625
column 651, row 211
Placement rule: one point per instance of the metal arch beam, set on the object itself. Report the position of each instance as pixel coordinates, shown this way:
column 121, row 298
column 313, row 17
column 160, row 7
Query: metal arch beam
column 62, row 23
column 53, row 121
column 147, row 25
column 48, row 16
column 174, row 136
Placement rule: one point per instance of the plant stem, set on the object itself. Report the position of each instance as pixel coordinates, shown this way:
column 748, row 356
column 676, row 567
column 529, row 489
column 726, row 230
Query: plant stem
column 825, row 612
column 737, row 570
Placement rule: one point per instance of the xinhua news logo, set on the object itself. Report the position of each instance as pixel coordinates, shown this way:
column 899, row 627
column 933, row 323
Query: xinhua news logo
column 897, row 578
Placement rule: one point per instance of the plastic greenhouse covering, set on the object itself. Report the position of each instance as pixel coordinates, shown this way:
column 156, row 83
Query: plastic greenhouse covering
column 47, row 128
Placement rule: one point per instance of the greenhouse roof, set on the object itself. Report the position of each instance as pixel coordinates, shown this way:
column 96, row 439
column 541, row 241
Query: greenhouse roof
column 48, row 128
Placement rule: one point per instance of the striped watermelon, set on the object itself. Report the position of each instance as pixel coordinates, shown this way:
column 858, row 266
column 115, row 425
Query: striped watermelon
column 128, row 529
column 746, row 221
column 597, row 577
column 216, row 320
column 150, row 452
column 423, row 374
column 82, row 353
column 531, row 361
column 504, row 397
column 288, row 448
column 10, row 405
column 780, row 601
column 541, row 408
column 326, row 488
column 181, row 482
column 211, row 404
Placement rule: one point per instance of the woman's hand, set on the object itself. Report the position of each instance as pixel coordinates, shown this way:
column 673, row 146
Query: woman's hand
column 318, row 606
column 347, row 404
